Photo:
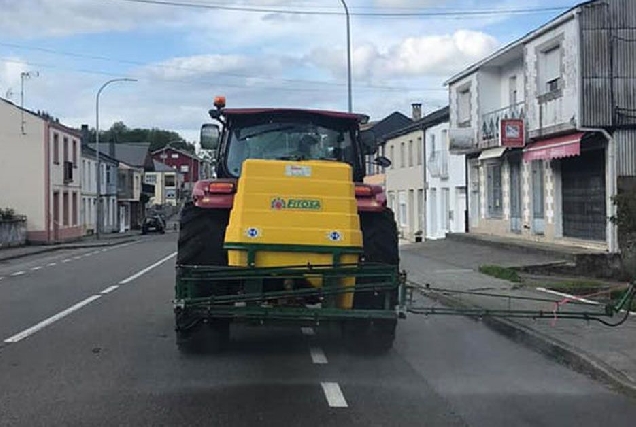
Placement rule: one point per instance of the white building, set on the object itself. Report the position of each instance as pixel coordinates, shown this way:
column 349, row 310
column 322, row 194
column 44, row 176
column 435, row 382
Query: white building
column 168, row 183
column 546, row 128
column 446, row 184
column 40, row 173
column 88, row 207
column 424, row 188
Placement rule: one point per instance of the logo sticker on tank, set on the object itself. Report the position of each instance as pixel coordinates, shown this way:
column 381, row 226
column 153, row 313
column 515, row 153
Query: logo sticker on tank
column 279, row 203
column 335, row 236
column 297, row 170
column 252, row 232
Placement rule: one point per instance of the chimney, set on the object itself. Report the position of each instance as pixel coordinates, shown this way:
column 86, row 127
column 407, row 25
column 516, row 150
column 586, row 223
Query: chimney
column 417, row 111
column 85, row 135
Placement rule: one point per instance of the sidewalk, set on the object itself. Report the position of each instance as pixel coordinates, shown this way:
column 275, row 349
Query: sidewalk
column 606, row 353
column 109, row 239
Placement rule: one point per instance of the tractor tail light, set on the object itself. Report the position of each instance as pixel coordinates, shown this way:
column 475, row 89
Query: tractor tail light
column 364, row 191
column 221, row 187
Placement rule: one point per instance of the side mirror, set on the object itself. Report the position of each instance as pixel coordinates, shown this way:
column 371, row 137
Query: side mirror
column 382, row 161
column 367, row 140
column 210, row 136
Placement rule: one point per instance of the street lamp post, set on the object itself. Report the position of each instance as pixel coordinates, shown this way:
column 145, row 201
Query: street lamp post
column 350, row 99
column 99, row 166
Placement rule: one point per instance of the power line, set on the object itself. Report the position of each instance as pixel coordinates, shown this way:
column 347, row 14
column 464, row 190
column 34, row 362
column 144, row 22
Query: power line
column 181, row 68
column 431, row 13
column 278, row 88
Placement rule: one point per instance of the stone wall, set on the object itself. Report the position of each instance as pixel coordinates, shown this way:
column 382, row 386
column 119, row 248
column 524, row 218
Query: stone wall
column 12, row 232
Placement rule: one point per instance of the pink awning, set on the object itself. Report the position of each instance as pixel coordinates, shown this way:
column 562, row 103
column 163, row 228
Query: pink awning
column 554, row 148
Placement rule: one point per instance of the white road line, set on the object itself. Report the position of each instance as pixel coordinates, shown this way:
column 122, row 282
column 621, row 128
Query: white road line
column 17, row 273
column 46, row 322
column 564, row 295
column 334, row 395
column 37, row 268
column 147, row 269
column 1, row 278
column 109, row 289
column 66, row 260
column 51, row 264
column 43, row 324
column 318, row 356
column 77, row 257
column 308, row 331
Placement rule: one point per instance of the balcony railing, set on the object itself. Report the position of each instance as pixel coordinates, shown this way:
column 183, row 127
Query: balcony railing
column 490, row 122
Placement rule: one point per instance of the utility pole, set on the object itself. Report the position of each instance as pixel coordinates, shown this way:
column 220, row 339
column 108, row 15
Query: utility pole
column 99, row 165
column 24, row 76
column 350, row 96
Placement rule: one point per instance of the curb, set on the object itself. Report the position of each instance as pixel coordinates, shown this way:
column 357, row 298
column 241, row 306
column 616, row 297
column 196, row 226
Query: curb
column 47, row 249
column 561, row 352
column 523, row 247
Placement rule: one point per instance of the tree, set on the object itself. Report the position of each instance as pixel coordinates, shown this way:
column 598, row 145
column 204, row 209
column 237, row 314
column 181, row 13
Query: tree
column 158, row 138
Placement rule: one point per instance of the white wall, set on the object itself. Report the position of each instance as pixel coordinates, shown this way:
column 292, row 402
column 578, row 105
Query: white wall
column 564, row 108
column 454, row 184
column 403, row 180
column 22, row 169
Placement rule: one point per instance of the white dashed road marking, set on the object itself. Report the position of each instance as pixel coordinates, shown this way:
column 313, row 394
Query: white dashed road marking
column 36, row 268
column 109, row 289
column 308, row 331
column 334, row 395
column 318, row 356
column 66, row 260
column 17, row 273
column 43, row 324
column 51, row 264
column 62, row 314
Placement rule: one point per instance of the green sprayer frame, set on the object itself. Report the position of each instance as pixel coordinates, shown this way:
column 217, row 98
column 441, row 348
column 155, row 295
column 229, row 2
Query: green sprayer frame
column 254, row 304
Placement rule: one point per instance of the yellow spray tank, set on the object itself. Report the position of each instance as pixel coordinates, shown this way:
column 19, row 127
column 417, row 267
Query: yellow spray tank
column 295, row 214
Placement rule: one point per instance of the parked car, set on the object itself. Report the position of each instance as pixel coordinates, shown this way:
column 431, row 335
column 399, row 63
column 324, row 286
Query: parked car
column 153, row 223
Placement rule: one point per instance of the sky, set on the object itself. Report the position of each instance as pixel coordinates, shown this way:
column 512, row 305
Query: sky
column 258, row 53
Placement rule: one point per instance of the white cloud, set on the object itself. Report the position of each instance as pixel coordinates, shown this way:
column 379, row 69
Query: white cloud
column 34, row 18
column 438, row 55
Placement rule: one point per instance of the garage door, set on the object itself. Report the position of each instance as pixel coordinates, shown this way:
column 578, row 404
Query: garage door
column 583, row 191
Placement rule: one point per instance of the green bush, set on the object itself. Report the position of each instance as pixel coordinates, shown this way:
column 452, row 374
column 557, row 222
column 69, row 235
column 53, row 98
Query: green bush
column 625, row 218
column 7, row 214
column 499, row 272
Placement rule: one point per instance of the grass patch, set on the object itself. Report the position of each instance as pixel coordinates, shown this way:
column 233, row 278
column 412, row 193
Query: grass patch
column 500, row 272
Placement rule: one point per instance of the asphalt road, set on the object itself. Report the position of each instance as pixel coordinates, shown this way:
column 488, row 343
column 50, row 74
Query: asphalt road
column 89, row 341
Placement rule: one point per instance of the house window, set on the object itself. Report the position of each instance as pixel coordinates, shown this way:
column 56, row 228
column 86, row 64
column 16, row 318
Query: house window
column 75, row 153
column 108, row 175
column 169, row 181
column 391, row 149
column 65, row 207
column 150, row 179
column 410, row 153
column 431, row 141
column 175, row 156
column 402, row 208
column 493, row 186
column 463, row 108
column 75, row 209
column 391, row 200
column 56, row 148
column 402, row 156
column 65, row 149
column 185, row 168
column 419, row 150
column 550, row 70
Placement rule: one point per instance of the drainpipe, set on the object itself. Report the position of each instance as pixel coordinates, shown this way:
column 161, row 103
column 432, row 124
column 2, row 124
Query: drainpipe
column 610, row 173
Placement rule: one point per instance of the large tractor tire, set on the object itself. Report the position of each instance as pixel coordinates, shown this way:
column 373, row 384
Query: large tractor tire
column 380, row 245
column 201, row 237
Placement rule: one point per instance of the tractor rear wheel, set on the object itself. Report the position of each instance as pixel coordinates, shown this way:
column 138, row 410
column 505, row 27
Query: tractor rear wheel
column 201, row 237
column 380, row 245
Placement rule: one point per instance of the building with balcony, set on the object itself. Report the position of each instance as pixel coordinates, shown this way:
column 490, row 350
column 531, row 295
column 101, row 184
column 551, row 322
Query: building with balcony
column 40, row 173
column 167, row 183
column 187, row 164
column 88, row 205
column 413, row 150
column 132, row 193
column 547, row 125
column 445, row 177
